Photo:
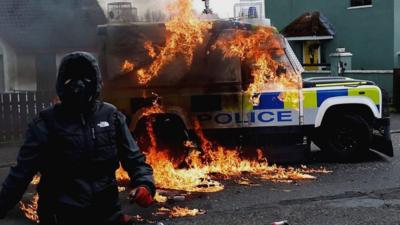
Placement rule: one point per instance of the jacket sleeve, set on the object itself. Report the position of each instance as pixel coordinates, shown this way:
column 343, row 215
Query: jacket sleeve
column 132, row 159
column 27, row 166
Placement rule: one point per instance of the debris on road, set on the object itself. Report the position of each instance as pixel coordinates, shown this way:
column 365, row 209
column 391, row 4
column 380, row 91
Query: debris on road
column 284, row 222
column 178, row 211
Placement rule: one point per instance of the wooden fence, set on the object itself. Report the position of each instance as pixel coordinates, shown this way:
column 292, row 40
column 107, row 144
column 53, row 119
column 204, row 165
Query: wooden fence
column 17, row 110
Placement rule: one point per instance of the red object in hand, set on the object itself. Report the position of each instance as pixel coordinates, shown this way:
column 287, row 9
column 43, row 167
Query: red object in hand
column 125, row 219
column 141, row 196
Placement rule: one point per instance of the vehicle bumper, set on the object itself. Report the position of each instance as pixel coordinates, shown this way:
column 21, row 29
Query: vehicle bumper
column 381, row 140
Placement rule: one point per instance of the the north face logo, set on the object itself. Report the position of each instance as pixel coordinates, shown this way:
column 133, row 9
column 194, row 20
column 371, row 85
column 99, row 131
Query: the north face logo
column 103, row 124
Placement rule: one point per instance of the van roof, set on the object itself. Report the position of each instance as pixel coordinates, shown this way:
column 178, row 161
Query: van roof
column 126, row 41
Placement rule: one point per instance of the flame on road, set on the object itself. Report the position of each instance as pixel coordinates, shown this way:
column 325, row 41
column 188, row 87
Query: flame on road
column 178, row 211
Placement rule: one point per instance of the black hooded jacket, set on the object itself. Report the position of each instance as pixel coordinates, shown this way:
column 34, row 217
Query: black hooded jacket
column 76, row 152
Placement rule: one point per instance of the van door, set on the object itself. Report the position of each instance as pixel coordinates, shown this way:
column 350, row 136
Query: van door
column 275, row 109
column 311, row 55
column 216, row 96
column 278, row 104
column 217, row 110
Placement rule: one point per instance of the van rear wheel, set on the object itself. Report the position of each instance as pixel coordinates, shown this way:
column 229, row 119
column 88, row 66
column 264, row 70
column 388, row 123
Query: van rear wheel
column 346, row 137
column 166, row 132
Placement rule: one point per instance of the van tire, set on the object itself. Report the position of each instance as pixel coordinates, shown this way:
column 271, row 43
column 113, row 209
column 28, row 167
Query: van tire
column 346, row 137
column 317, row 137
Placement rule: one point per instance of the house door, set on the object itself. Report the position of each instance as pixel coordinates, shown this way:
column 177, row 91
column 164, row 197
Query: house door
column 46, row 70
column 311, row 55
column 398, row 60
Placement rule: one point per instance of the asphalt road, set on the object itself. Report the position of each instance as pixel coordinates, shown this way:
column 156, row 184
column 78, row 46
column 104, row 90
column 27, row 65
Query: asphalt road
column 364, row 192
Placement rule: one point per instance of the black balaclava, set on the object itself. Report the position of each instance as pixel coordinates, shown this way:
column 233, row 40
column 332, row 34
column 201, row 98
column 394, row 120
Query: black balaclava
column 78, row 82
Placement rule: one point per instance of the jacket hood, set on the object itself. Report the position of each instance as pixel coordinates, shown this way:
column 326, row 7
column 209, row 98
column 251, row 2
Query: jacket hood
column 76, row 64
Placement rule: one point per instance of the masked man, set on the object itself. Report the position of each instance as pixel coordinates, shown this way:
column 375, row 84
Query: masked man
column 76, row 146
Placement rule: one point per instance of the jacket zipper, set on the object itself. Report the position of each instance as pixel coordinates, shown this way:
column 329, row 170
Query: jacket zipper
column 84, row 125
column 93, row 134
column 83, row 119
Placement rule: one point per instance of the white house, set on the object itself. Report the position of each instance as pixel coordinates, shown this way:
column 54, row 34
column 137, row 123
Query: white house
column 35, row 34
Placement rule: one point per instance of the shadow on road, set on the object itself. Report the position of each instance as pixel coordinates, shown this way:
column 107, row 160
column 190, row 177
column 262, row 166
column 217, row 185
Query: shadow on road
column 322, row 157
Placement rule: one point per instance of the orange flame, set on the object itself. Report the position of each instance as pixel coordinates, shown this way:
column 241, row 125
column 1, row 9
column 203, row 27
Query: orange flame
column 178, row 211
column 154, row 109
column 148, row 45
column 35, row 180
column 169, row 177
column 184, row 32
column 160, row 198
column 127, row 67
column 30, row 208
column 261, row 50
column 122, row 176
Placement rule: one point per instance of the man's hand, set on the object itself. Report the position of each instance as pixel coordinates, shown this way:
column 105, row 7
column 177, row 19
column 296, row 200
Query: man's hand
column 141, row 196
column 125, row 220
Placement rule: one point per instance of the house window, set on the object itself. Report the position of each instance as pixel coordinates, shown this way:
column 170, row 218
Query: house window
column 355, row 3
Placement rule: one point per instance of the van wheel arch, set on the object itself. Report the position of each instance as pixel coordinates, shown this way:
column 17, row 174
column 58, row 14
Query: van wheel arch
column 359, row 116
column 349, row 109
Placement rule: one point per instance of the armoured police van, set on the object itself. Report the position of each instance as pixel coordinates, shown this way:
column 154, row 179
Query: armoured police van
column 342, row 116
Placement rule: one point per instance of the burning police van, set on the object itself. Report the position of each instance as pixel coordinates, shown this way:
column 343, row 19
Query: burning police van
column 241, row 84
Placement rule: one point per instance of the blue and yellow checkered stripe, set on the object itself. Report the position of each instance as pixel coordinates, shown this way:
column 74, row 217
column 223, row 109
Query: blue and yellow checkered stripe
column 311, row 98
column 278, row 100
column 315, row 98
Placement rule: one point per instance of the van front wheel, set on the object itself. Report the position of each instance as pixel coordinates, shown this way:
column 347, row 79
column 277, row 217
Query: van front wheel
column 346, row 137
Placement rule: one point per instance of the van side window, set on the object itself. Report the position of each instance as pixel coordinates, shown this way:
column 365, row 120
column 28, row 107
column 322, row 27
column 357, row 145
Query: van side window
column 247, row 78
column 354, row 3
